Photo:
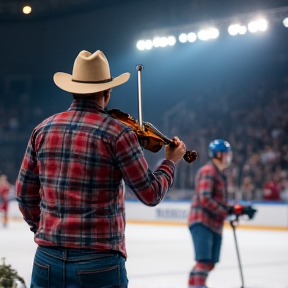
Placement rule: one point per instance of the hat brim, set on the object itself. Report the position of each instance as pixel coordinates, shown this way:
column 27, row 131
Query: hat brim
column 64, row 82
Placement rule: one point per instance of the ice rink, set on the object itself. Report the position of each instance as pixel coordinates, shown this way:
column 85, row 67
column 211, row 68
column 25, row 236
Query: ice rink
column 161, row 256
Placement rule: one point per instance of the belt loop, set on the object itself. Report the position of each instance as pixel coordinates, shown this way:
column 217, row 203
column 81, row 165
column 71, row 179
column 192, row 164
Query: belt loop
column 65, row 254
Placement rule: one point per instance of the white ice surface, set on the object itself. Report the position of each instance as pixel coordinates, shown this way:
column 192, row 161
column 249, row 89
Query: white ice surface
column 162, row 256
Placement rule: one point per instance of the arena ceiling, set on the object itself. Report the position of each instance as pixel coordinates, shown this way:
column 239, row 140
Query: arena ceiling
column 12, row 9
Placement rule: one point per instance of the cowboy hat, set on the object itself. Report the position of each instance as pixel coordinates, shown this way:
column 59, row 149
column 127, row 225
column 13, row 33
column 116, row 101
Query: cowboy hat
column 91, row 73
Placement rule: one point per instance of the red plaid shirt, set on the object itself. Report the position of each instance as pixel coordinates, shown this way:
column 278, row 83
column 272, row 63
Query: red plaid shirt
column 70, row 185
column 209, row 206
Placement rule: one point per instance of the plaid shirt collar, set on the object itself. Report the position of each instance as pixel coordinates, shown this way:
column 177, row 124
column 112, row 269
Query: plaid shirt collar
column 221, row 173
column 87, row 105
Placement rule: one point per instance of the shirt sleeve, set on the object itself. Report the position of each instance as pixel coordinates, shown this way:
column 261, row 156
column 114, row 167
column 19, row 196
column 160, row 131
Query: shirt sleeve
column 27, row 188
column 149, row 187
column 205, row 189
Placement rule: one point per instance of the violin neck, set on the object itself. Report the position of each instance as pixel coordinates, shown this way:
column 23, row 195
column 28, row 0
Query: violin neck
column 158, row 133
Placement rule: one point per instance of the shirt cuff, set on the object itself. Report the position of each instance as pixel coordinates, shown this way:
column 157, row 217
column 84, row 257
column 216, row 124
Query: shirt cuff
column 166, row 161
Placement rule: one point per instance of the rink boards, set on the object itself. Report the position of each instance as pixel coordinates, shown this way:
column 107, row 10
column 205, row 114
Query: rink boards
column 270, row 215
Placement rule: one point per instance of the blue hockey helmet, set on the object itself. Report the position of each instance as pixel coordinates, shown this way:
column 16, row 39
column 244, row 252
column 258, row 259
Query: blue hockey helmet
column 218, row 145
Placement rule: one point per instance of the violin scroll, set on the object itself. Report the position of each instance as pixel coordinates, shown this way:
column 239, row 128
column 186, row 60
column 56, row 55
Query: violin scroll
column 190, row 156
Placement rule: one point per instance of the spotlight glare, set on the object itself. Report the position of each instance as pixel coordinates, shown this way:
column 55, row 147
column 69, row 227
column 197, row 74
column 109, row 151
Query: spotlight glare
column 285, row 22
column 171, row 40
column 148, row 44
column 183, row 38
column 27, row 9
column 233, row 29
column 156, row 42
column 192, row 37
column 163, row 42
column 203, row 35
column 213, row 33
column 141, row 45
column 262, row 24
column 242, row 30
column 253, row 26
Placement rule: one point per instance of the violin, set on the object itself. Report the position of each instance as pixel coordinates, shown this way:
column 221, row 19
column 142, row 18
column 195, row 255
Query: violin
column 149, row 137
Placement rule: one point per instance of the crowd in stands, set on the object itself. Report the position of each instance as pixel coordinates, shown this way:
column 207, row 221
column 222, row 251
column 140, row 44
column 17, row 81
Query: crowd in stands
column 253, row 119
column 18, row 116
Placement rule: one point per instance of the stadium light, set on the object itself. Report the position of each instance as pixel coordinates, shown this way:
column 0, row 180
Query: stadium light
column 235, row 29
column 207, row 34
column 191, row 37
column 183, row 38
column 252, row 26
column 156, row 42
column 148, row 44
column 213, row 33
column 140, row 45
column 258, row 25
column 203, row 35
column 171, row 40
column 163, row 42
column 242, row 30
column 262, row 25
column 27, row 9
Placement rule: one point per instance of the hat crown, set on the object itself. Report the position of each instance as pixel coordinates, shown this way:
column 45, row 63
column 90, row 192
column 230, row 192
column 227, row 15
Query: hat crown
column 91, row 67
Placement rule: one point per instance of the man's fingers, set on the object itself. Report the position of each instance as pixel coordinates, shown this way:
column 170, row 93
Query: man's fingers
column 176, row 140
column 178, row 143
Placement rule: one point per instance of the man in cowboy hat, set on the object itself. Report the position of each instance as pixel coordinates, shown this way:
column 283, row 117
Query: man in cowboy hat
column 70, row 185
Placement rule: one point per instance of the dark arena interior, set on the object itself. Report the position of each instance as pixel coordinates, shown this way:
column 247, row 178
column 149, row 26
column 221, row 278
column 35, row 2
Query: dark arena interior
column 231, row 87
column 212, row 69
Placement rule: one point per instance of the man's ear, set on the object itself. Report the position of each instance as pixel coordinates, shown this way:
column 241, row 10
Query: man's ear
column 106, row 98
column 219, row 155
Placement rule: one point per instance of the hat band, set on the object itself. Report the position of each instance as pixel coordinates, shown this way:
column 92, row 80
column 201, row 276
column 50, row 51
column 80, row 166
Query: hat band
column 94, row 82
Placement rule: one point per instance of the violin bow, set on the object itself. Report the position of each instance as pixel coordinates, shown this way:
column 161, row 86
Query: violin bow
column 189, row 156
column 139, row 68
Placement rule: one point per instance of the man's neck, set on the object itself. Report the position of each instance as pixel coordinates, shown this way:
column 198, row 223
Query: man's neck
column 99, row 101
column 218, row 164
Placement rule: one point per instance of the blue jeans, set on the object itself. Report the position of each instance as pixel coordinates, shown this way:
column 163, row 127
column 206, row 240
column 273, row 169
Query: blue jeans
column 207, row 244
column 77, row 268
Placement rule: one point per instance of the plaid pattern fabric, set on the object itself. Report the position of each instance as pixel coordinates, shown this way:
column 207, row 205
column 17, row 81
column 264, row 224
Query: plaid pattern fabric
column 209, row 205
column 70, row 184
column 199, row 274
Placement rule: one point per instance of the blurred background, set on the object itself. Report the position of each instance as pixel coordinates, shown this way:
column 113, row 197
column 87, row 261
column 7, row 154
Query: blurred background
column 203, row 78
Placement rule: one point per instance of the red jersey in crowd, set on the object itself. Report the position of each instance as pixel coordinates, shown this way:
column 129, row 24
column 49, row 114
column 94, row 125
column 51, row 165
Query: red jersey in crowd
column 4, row 191
column 271, row 191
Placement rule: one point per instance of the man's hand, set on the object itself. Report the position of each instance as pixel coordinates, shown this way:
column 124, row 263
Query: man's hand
column 175, row 150
column 235, row 209
column 239, row 210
